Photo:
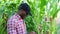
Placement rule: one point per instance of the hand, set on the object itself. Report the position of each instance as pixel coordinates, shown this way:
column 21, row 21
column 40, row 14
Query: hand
column 32, row 32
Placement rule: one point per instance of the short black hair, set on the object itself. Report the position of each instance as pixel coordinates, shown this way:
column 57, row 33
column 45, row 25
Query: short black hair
column 25, row 7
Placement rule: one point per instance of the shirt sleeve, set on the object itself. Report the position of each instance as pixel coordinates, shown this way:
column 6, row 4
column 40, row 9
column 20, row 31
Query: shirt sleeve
column 20, row 28
column 11, row 28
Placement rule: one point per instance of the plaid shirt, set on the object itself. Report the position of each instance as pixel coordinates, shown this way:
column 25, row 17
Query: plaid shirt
column 16, row 25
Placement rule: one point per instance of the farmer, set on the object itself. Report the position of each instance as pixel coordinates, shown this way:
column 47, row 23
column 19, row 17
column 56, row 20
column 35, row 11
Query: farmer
column 16, row 24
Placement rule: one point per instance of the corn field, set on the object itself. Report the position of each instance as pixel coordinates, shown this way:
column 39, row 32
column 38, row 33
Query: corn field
column 43, row 16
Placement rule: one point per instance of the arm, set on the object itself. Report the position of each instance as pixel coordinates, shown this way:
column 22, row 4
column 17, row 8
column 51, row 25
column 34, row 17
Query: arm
column 21, row 28
column 11, row 28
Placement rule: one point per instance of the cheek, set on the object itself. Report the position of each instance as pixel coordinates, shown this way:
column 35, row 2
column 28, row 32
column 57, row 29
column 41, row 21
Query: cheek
column 24, row 14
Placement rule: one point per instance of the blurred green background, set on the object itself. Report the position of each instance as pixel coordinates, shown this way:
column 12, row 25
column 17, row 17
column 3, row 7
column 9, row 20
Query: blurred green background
column 43, row 16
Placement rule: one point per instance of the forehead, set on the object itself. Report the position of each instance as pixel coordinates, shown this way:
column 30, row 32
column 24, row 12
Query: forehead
column 23, row 11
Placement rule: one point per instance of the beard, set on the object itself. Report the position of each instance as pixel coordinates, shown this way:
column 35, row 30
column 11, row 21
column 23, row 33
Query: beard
column 22, row 16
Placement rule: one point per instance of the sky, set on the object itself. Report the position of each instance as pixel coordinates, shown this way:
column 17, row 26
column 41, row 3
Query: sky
column 58, row 18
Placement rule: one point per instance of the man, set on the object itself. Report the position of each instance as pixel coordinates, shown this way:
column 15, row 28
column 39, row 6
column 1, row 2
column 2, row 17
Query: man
column 16, row 24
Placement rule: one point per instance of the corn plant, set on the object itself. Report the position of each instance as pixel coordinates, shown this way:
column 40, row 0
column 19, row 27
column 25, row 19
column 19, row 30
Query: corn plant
column 43, row 16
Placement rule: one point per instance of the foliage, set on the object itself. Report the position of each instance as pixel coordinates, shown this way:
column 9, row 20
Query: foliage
column 42, row 11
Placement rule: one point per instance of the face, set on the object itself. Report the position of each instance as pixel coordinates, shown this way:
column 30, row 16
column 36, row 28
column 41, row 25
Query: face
column 23, row 14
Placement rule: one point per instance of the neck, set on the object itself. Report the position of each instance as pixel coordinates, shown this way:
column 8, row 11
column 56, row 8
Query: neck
column 20, row 15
